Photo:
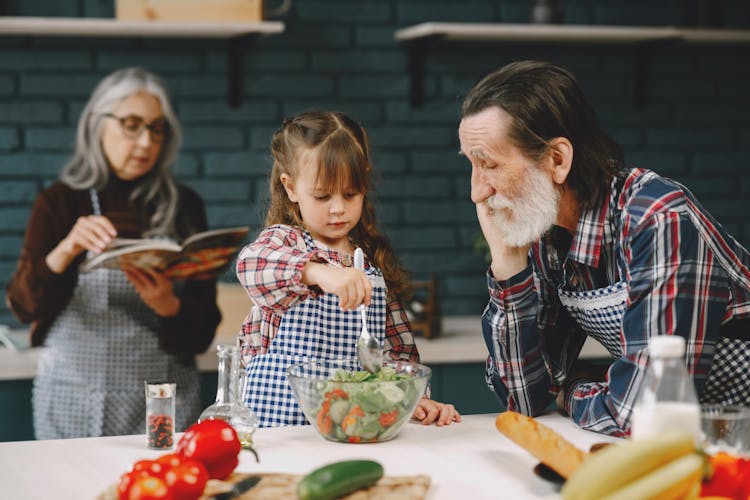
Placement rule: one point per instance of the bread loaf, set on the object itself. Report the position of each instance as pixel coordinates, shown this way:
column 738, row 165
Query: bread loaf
column 548, row 446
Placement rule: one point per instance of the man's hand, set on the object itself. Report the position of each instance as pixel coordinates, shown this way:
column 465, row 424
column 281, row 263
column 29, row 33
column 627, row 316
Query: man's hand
column 507, row 261
column 582, row 371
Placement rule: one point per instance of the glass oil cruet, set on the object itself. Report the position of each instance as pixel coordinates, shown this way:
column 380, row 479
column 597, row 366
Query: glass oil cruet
column 228, row 405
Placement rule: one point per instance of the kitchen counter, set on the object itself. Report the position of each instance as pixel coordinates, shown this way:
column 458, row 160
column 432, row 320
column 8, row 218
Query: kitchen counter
column 460, row 341
column 467, row 460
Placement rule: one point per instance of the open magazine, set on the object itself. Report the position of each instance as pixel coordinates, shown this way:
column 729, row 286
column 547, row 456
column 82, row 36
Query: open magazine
column 203, row 255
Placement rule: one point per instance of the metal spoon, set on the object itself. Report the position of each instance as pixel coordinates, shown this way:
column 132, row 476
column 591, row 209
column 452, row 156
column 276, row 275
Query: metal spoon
column 369, row 350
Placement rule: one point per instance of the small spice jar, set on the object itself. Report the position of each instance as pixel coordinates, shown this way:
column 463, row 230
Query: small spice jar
column 160, row 409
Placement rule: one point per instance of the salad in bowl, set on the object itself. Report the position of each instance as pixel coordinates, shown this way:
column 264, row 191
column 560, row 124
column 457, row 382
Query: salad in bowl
column 347, row 404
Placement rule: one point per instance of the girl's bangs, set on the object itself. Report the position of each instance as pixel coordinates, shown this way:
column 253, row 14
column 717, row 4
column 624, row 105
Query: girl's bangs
column 342, row 164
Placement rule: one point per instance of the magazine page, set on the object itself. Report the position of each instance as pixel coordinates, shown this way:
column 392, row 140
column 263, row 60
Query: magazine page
column 206, row 255
column 216, row 238
column 149, row 254
column 125, row 242
column 203, row 256
column 201, row 264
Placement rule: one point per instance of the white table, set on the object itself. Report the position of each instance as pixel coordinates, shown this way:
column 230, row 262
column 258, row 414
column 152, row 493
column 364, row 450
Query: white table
column 467, row 460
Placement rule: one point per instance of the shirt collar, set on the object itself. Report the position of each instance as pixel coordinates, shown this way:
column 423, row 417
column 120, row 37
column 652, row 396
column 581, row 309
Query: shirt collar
column 592, row 231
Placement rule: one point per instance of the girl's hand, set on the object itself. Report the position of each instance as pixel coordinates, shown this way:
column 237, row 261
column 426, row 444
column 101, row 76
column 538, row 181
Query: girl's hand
column 91, row 232
column 350, row 285
column 155, row 289
column 429, row 411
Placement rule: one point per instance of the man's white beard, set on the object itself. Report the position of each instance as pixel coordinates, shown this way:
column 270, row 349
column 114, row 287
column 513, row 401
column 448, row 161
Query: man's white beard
column 525, row 219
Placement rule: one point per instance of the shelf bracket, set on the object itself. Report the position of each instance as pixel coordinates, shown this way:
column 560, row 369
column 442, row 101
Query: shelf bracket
column 417, row 50
column 237, row 47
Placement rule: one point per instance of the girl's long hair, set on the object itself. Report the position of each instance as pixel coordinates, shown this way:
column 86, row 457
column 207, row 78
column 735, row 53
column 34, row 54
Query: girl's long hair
column 89, row 167
column 342, row 151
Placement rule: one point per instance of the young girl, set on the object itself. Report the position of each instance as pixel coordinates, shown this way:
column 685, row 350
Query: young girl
column 299, row 271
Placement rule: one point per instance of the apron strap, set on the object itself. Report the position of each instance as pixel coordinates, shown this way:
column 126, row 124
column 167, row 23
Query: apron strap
column 95, row 201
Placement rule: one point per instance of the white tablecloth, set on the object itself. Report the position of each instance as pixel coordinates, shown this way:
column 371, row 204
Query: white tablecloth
column 470, row 460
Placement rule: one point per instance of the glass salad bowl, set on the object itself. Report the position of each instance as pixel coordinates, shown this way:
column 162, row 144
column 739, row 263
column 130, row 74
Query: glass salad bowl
column 349, row 405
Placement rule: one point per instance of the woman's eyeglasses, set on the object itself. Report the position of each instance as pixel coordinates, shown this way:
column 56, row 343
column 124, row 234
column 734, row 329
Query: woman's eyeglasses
column 133, row 126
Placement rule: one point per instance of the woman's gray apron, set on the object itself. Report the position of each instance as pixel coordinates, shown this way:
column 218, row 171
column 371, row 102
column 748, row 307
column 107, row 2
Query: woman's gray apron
column 313, row 330
column 99, row 352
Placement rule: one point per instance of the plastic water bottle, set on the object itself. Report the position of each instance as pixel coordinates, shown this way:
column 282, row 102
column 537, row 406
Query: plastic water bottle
column 667, row 398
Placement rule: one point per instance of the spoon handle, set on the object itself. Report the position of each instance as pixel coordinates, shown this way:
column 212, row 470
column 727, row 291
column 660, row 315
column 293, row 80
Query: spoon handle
column 359, row 263
column 359, row 259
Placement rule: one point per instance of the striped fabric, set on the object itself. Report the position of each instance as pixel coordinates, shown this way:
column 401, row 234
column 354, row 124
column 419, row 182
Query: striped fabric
column 653, row 262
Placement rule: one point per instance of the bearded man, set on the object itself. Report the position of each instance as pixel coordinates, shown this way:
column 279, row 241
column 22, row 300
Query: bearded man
column 583, row 246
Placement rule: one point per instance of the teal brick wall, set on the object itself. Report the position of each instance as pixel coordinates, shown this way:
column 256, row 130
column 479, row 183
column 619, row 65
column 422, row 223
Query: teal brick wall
column 341, row 54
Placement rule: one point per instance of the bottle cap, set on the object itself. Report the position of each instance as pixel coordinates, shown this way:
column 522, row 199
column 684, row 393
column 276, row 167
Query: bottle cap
column 667, row 346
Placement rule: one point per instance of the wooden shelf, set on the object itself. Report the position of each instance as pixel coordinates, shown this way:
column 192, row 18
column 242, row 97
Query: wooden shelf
column 479, row 32
column 239, row 35
column 421, row 37
column 106, row 27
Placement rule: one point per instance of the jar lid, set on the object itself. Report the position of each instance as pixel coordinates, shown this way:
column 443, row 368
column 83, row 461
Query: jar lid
column 668, row 346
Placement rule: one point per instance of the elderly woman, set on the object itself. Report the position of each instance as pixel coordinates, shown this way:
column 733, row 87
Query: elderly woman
column 107, row 331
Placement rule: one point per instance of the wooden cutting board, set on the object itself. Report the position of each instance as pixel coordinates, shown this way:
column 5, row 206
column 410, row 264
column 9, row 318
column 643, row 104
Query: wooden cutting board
column 282, row 486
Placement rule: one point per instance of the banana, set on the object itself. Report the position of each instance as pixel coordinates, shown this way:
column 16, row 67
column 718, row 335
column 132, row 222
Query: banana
column 608, row 470
column 673, row 481
column 695, row 492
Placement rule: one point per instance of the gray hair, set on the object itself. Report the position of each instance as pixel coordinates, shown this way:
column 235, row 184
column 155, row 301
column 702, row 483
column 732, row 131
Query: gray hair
column 545, row 101
column 89, row 167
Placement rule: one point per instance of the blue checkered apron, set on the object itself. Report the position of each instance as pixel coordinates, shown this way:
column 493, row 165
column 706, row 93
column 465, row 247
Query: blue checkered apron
column 313, row 330
column 99, row 351
column 599, row 313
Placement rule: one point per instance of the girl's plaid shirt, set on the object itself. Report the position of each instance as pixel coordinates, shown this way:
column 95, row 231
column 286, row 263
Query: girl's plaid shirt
column 270, row 270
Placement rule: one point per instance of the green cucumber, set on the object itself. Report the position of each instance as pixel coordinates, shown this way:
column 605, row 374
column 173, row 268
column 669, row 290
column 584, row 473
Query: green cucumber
column 338, row 479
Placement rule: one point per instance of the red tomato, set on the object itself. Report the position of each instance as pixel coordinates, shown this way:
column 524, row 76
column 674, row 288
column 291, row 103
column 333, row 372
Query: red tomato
column 170, row 460
column 222, row 470
column 725, row 480
column 388, row 419
column 187, row 480
column 126, row 482
column 153, row 468
column 150, row 488
column 744, row 480
column 215, row 444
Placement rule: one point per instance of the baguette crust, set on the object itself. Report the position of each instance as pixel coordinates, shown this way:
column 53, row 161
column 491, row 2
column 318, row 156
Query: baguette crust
column 548, row 446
